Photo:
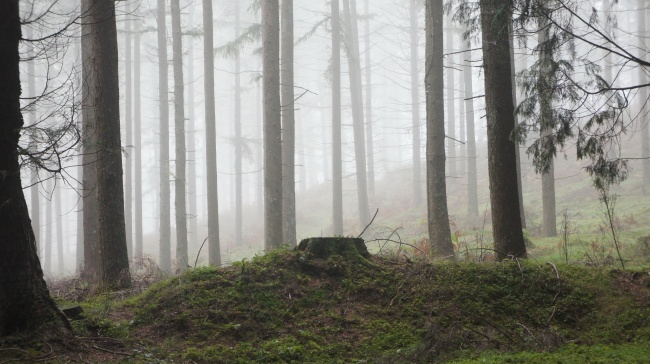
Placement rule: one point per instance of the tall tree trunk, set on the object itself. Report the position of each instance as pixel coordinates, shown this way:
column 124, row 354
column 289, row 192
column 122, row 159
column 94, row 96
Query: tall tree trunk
column 451, row 99
column 137, row 134
column 502, row 164
column 513, row 73
column 438, row 215
column 214, row 257
column 79, row 261
column 260, row 151
column 415, row 99
column 179, row 131
column 49, row 226
column 110, row 189
column 25, row 303
column 92, row 256
column 192, row 217
column 272, row 125
column 59, row 231
column 288, row 127
column 472, row 185
column 337, row 163
column 462, row 134
column 546, row 131
column 163, row 99
column 128, row 123
column 354, row 65
column 35, row 211
column 643, row 97
column 369, row 133
column 238, row 138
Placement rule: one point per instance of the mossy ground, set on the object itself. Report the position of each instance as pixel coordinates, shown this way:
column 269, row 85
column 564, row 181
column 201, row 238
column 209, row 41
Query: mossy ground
column 289, row 307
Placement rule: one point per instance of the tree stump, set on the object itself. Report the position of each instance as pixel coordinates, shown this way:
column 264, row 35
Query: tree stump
column 323, row 248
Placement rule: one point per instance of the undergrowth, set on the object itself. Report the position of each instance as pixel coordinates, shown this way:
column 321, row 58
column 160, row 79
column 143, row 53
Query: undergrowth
column 289, row 307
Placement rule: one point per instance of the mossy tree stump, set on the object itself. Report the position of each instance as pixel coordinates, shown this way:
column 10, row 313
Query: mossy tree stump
column 323, row 248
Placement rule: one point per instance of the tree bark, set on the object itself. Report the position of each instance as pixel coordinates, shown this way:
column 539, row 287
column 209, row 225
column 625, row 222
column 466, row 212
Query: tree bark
column 354, row 65
column 128, row 123
column 438, row 215
column 110, row 189
column 35, row 210
column 79, row 261
column 643, row 97
column 137, row 134
column 370, row 152
column 25, row 303
column 451, row 99
column 59, row 231
column 49, row 226
column 513, row 73
column 214, row 257
column 415, row 99
column 179, row 131
column 549, row 228
column 337, row 163
column 462, row 133
column 238, row 139
column 92, row 266
column 272, row 125
column 502, row 165
column 192, row 216
column 472, row 185
column 163, row 99
column 288, row 127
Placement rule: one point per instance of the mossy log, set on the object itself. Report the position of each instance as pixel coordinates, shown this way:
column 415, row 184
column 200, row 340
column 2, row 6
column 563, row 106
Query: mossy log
column 323, row 248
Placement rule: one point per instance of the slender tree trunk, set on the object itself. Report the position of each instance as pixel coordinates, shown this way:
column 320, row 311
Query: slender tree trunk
column 513, row 73
column 214, row 257
column 110, row 189
column 238, row 139
column 415, row 99
column 59, row 231
column 272, row 125
column 92, row 269
column 260, row 151
column 369, row 134
column 137, row 153
column 502, row 164
column 128, row 122
column 643, row 97
column 451, row 99
column 337, row 163
column 354, row 65
column 472, row 185
column 49, row 226
column 163, row 99
column 79, row 261
column 462, row 134
column 192, row 217
column 179, row 130
column 288, row 127
column 25, row 303
column 325, row 123
column 438, row 215
column 546, row 131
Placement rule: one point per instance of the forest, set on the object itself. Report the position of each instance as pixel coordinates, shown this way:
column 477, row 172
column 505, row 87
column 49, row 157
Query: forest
column 353, row 181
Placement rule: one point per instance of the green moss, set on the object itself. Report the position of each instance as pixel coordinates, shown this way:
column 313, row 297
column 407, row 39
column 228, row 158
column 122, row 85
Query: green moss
column 286, row 307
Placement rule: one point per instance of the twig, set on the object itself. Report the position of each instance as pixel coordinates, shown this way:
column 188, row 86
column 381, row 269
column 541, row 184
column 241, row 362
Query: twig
column 557, row 274
column 199, row 253
column 111, row 352
column 370, row 223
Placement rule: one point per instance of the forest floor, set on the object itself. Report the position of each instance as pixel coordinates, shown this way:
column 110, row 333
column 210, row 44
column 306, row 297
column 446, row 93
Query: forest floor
column 291, row 307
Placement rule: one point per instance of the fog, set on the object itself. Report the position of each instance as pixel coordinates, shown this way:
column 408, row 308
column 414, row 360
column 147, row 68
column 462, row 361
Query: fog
column 56, row 72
